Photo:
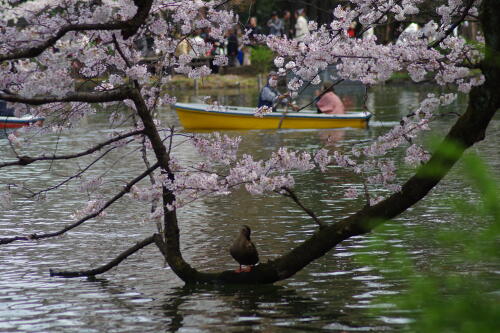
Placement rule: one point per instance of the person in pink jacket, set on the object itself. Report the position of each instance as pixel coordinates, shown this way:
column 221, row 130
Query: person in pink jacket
column 329, row 102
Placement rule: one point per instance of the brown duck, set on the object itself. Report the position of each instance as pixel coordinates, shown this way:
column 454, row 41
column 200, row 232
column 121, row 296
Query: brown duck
column 243, row 250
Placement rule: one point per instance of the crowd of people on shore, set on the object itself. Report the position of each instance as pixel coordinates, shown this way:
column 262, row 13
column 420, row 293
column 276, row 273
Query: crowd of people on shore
column 238, row 48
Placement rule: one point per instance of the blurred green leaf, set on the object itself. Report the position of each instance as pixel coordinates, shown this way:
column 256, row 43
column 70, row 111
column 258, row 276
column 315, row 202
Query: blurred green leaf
column 458, row 288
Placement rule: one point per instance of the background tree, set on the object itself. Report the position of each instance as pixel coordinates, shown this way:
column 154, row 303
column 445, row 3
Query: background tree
column 98, row 40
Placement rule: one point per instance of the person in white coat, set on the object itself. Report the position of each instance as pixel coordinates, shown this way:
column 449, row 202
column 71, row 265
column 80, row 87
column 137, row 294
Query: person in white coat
column 301, row 26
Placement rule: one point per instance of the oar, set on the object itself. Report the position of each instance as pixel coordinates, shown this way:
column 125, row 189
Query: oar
column 283, row 117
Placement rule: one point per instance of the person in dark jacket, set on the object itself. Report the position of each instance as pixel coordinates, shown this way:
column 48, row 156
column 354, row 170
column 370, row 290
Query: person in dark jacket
column 275, row 25
column 4, row 110
column 232, row 48
column 287, row 24
column 253, row 29
column 269, row 96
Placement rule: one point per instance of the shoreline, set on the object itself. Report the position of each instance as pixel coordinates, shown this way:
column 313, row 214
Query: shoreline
column 243, row 80
column 214, row 81
column 246, row 81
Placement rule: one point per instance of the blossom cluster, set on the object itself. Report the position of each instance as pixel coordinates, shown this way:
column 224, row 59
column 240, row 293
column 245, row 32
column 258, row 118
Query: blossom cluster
column 91, row 207
column 372, row 162
column 368, row 60
column 223, row 170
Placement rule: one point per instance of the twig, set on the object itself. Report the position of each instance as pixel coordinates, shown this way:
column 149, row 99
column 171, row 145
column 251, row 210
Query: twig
column 120, row 52
column 108, row 266
column 25, row 160
column 78, row 174
column 125, row 190
column 289, row 193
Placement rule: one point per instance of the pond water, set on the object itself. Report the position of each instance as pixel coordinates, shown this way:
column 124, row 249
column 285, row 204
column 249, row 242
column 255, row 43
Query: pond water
column 333, row 293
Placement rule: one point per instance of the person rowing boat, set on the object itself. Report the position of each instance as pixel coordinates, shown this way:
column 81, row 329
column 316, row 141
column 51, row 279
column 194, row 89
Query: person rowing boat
column 4, row 110
column 328, row 101
column 269, row 96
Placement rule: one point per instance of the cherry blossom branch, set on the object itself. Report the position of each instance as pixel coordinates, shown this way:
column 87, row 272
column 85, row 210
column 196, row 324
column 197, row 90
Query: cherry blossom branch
column 124, row 191
column 113, row 263
column 291, row 194
column 143, row 9
column 128, row 29
column 378, row 20
column 145, row 158
column 11, row 144
column 468, row 130
column 120, row 51
column 25, row 160
column 454, row 25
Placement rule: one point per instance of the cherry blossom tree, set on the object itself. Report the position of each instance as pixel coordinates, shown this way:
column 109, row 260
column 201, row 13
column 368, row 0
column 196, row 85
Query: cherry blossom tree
column 45, row 45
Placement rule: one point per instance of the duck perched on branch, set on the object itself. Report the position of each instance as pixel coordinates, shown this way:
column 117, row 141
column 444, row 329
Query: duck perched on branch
column 243, row 250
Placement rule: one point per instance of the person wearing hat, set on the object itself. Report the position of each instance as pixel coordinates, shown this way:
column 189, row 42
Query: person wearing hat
column 275, row 25
column 269, row 96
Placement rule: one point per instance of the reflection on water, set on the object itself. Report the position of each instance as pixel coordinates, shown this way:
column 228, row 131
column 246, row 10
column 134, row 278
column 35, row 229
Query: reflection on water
column 331, row 294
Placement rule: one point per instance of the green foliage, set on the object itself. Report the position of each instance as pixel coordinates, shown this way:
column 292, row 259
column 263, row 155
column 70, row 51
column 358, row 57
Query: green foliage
column 480, row 46
column 452, row 292
column 447, row 150
column 262, row 58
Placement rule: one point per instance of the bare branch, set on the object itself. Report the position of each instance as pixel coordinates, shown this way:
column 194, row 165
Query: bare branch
column 86, row 97
column 25, row 160
column 125, row 190
column 113, row 263
column 160, row 243
column 289, row 193
column 120, row 51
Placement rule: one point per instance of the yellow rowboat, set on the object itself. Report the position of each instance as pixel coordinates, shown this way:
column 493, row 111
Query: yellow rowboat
column 204, row 116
